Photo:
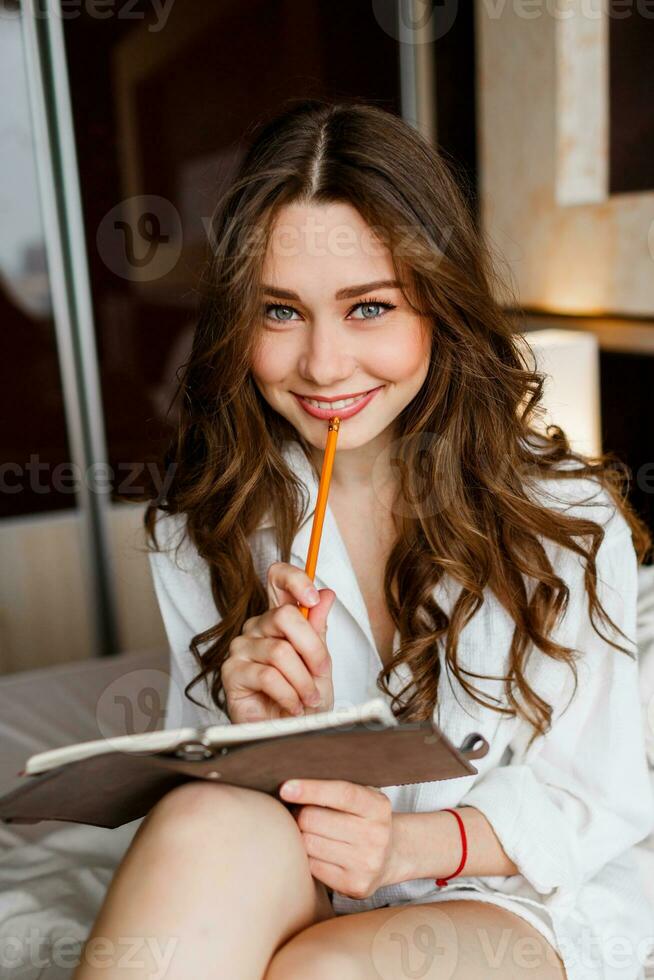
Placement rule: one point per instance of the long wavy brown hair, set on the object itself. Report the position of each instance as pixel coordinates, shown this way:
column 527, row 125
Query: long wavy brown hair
column 479, row 523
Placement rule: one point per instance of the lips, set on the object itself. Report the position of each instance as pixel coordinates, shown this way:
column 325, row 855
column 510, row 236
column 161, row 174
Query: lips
column 342, row 413
column 337, row 398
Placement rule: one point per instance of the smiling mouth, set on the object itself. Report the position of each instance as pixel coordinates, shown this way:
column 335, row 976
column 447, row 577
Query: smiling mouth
column 336, row 402
column 344, row 408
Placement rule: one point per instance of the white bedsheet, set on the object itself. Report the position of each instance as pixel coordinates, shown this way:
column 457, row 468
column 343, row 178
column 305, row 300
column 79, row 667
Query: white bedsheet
column 53, row 875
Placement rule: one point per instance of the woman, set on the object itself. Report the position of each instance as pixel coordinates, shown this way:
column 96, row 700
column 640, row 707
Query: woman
column 473, row 569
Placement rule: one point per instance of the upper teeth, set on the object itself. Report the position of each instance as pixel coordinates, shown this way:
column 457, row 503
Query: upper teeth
column 341, row 404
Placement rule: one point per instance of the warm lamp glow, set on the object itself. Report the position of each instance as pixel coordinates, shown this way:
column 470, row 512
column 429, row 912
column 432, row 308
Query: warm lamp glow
column 571, row 397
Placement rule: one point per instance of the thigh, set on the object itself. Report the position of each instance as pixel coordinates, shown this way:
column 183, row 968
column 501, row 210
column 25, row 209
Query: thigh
column 450, row 940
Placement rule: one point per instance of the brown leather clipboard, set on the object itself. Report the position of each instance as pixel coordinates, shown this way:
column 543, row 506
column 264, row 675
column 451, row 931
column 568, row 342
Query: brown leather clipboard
column 114, row 788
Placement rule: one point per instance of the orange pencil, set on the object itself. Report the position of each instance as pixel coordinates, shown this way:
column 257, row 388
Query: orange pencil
column 321, row 502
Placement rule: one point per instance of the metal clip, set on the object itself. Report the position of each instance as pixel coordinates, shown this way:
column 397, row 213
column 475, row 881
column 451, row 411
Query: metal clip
column 474, row 746
column 195, row 750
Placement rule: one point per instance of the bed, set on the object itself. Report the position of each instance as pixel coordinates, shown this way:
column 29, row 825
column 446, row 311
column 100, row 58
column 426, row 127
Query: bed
column 53, row 875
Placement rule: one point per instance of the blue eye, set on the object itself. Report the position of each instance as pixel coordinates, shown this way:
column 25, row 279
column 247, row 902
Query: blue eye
column 278, row 306
column 367, row 304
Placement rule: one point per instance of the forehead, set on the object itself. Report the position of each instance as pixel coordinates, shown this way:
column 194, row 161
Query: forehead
column 318, row 248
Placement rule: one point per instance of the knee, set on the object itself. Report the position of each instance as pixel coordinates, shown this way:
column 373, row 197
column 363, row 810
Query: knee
column 199, row 807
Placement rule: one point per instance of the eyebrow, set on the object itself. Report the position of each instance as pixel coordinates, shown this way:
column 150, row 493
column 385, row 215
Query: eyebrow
column 349, row 292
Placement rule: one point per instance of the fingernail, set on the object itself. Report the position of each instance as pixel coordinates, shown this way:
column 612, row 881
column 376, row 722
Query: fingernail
column 311, row 597
column 291, row 789
column 314, row 699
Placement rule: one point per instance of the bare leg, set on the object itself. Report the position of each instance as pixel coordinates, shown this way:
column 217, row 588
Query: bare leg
column 215, row 879
column 454, row 940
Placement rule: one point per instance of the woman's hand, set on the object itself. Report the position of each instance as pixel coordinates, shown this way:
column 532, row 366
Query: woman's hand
column 280, row 660
column 347, row 831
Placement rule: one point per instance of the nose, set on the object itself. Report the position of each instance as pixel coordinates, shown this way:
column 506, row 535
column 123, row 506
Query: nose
column 327, row 358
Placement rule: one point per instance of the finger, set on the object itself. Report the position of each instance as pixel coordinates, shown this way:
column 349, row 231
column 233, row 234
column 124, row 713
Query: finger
column 288, row 623
column 339, row 794
column 318, row 615
column 252, row 626
column 332, row 875
column 282, row 655
column 253, row 676
column 287, row 583
column 333, row 851
column 335, row 824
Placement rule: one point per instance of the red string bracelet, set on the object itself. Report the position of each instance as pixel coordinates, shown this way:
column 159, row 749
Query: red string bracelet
column 464, row 846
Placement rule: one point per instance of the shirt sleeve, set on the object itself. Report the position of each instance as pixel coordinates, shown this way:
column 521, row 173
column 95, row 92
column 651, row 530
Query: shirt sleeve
column 581, row 794
column 182, row 585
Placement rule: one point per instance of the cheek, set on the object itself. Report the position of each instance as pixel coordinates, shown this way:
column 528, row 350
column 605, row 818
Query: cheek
column 272, row 362
column 403, row 361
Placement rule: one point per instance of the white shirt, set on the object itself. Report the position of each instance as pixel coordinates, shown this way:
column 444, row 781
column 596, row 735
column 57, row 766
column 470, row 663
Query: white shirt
column 569, row 811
